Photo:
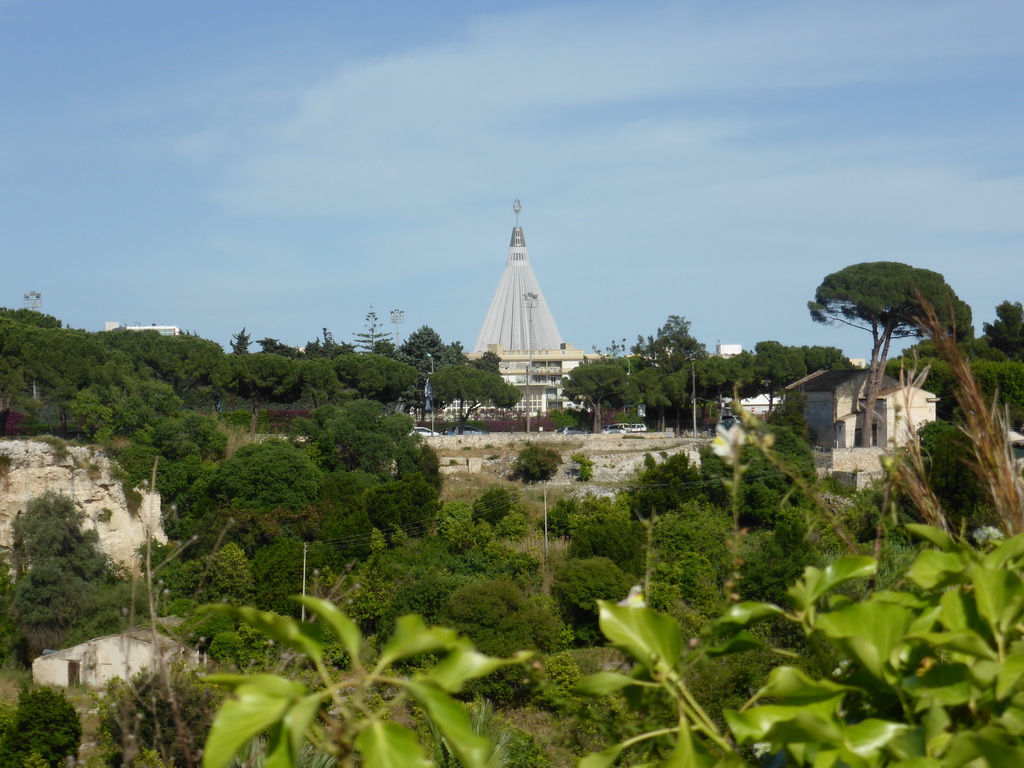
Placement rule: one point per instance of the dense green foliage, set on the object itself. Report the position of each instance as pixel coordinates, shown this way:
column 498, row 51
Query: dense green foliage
column 45, row 725
column 536, row 463
column 61, row 571
column 344, row 501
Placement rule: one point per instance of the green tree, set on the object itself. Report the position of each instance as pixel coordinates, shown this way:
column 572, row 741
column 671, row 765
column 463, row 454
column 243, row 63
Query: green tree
column 409, row 504
column 488, row 361
column 470, row 388
column 369, row 341
column 272, row 346
column 672, row 348
column 500, row 620
column 169, row 712
column 374, row 377
column 45, row 724
column 536, row 463
column 595, row 385
column 886, row 299
column 30, row 317
column 579, row 584
column 14, row 351
column 361, row 435
column 1006, row 332
column 606, row 530
column 426, row 351
column 775, row 366
column 60, row 568
column 319, row 381
column 240, row 342
column 260, row 378
column 326, row 349
column 266, row 475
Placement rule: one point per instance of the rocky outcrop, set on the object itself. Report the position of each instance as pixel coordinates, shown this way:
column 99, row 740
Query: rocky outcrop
column 29, row 468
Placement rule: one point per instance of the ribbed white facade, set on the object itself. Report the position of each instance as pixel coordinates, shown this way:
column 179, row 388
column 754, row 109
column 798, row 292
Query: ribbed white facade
column 519, row 318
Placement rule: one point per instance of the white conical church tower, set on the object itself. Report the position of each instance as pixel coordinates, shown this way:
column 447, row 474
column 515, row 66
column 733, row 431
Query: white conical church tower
column 519, row 317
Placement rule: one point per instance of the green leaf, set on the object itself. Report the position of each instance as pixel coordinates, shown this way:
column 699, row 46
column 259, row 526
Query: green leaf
column 298, row 719
column 950, row 684
column 869, row 632
column 932, row 535
column 343, row 627
column 452, row 720
column 688, row 753
column 603, row 683
column 868, row 737
column 1009, row 675
column 969, row 643
column 738, row 643
column 464, row 664
column 782, row 724
column 604, row 759
column 255, row 707
column 816, row 583
column 300, row 637
column 796, row 687
column 643, row 633
column 999, row 596
column 386, row 745
column 1006, row 554
column 744, row 614
column 934, row 569
column 413, row 637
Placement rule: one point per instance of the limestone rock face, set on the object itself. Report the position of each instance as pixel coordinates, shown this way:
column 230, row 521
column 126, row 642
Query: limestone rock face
column 33, row 467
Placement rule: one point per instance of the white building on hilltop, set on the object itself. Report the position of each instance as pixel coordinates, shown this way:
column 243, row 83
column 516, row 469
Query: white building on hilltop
column 520, row 329
column 163, row 330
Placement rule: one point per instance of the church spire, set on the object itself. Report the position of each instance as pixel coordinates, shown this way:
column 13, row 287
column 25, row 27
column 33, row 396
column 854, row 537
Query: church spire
column 519, row 317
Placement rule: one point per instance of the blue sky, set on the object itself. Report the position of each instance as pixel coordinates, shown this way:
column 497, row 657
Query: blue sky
column 284, row 166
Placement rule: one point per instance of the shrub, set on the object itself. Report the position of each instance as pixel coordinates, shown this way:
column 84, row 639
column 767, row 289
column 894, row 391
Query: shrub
column 584, row 466
column 494, row 504
column 536, row 463
column 579, row 584
column 501, row 621
column 169, row 714
column 45, row 725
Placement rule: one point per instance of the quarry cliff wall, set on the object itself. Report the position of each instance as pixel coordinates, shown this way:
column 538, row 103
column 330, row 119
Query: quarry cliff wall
column 30, row 468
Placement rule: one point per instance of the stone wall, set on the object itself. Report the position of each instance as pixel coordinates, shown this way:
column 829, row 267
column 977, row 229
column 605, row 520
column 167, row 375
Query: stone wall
column 33, row 467
column 857, row 459
column 649, row 441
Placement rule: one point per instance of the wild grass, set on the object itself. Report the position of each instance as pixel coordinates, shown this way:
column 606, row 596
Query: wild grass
column 985, row 424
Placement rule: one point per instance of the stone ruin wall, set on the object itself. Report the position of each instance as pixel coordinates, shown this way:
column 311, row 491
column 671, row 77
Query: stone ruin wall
column 86, row 475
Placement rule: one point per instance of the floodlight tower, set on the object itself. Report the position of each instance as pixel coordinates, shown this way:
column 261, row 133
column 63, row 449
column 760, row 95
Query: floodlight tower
column 33, row 300
column 397, row 318
column 530, row 303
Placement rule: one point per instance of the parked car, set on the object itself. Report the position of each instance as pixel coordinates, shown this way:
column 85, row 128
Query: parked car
column 637, row 427
column 727, row 422
column 467, row 430
column 423, row 431
column 570, row 431
column 616, row 429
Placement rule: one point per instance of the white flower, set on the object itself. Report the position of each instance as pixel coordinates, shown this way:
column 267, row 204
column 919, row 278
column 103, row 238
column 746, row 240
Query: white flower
column 727, row 443
column 987, row 533
column 761, row 749
column 635, row 598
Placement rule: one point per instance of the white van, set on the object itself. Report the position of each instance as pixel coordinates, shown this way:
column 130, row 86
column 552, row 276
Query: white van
column 637, row 427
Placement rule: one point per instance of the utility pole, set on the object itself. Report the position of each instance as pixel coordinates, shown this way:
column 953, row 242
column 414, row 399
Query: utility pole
column 305, row 546
column 529, row 302
column 693, row 396
column 429, row 393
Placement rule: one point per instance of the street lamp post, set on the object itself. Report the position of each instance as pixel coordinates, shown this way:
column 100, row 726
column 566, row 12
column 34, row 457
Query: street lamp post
column 530, row 303
column 430, row 392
